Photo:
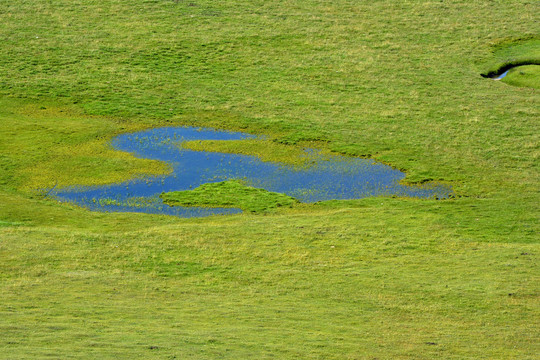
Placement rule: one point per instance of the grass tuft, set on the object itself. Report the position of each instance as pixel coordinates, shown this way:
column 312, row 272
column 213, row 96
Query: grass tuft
column 229, row 194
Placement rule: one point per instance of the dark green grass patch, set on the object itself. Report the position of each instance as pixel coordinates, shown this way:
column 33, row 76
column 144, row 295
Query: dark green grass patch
column 229, row 194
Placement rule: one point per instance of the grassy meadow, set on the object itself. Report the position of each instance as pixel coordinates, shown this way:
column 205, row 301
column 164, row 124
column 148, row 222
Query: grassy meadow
column 377, row 278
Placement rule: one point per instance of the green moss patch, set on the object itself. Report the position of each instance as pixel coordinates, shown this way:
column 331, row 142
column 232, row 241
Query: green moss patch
column 229, row 194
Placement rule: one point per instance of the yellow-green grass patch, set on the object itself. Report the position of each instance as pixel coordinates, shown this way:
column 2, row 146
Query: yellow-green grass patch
column 265, row 150
column 50, row 146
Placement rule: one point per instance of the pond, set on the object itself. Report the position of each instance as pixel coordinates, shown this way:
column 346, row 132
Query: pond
column 327, row 177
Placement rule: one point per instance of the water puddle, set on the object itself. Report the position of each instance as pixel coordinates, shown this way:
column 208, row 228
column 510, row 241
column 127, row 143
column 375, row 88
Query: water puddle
column 328, row 177
column 501, row 76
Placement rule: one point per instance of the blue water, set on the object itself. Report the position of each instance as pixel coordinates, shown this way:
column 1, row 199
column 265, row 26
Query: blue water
column 328, row 177
column 502, row 75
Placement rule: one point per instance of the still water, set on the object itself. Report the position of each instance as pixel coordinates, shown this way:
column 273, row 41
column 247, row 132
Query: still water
column 326, row 178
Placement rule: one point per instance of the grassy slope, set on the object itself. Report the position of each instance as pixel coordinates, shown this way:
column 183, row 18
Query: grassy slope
column 386, row 278
column 525, row 76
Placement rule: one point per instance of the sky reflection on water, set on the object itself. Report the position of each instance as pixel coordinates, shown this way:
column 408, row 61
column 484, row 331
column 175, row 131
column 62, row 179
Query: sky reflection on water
column 330, row 177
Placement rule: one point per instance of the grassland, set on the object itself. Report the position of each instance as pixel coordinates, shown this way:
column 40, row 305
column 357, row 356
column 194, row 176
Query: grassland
column 386, row 278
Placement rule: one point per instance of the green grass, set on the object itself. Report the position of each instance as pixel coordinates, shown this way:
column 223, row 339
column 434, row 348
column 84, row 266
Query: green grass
column 514, row 52
column 398, row 81
column 521, row 57
column 264, row 150
column 229, row 194
column 136, row 202
column 48, row 146
column 524, row 76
